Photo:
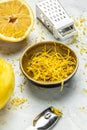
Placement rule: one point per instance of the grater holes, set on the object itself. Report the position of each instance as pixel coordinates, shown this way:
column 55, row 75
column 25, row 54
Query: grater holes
column 59, row 6
column 61, row 17
column 44, row 7
column 59, row 10
column 48, row 9
column 45, row 11
column 63, row 12
column 48, row 6
column 54, row 16
column 51, row 18
column 56, row 20
column 55, row 6
column 51, row 1
column 53, row 10
column 64, row 16
column 60, row 14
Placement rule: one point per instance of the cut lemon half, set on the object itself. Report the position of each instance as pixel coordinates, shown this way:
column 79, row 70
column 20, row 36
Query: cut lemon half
column 7, row 82
column 16, row 20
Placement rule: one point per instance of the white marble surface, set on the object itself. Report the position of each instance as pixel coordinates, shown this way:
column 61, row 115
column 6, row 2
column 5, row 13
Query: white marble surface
column 72, row 100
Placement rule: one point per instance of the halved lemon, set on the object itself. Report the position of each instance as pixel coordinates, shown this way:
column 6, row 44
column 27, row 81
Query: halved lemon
column 7, row 82
column 16, row 20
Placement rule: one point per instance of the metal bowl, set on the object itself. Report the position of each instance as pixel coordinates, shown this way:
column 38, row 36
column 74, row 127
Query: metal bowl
column 37, row 47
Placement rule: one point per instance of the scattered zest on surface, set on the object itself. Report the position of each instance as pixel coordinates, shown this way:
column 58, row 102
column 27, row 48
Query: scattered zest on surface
column 18, row 101
column 50, row 65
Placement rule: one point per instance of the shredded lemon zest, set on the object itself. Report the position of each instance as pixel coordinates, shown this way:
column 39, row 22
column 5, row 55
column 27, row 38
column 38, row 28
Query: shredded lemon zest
column 56, row 111
column 50, row 65
column 18, row 101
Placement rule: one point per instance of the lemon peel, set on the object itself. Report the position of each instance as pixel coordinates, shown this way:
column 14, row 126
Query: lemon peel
column 7, row 82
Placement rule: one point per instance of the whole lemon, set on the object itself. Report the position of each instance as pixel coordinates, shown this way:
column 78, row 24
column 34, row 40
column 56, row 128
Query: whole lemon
column 7, row 82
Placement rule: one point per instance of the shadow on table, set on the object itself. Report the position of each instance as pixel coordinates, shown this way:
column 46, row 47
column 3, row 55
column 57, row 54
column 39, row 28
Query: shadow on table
column 7, row 48
column 52, row 93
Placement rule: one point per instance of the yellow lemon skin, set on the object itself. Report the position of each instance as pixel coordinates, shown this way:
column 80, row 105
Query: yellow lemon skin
column 7, row 82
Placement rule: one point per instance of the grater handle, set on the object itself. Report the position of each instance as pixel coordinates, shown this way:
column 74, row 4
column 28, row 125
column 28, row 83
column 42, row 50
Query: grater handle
column 30, row 128
column 65, row 32
column 67, row 35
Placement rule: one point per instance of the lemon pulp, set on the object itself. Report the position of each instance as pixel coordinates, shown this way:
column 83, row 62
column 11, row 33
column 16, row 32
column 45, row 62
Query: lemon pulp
column 16, row 20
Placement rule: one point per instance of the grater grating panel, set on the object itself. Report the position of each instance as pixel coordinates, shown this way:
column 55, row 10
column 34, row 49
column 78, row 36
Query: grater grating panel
column 54, row 10
column 55, row 18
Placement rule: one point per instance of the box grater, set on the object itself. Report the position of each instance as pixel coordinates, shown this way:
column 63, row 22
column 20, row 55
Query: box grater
column 55, row 18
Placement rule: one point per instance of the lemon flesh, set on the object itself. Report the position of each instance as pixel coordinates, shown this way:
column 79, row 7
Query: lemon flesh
column 16, row 20
column 7, row 82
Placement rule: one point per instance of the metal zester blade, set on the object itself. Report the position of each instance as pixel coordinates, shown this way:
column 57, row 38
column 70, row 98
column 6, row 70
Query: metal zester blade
column 46, row 119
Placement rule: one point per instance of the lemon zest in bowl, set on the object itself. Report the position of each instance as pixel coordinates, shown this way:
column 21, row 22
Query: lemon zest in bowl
column 50, row 65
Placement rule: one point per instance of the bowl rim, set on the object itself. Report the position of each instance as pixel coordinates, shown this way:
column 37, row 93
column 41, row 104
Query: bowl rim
column 48, row 83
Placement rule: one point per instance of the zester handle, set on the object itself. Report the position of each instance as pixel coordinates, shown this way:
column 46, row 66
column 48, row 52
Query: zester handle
column 31, row 128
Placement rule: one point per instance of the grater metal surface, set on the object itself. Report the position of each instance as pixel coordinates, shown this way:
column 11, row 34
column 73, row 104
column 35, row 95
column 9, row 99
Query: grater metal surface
column 46, row 119
column 55, row 18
